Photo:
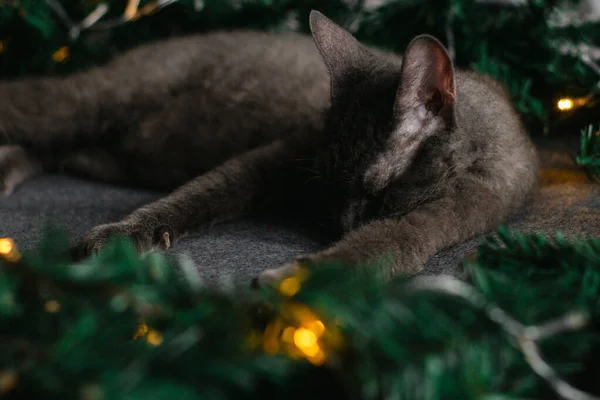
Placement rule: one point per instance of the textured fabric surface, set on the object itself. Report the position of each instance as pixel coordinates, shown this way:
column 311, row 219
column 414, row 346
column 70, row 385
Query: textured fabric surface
column 567, row 201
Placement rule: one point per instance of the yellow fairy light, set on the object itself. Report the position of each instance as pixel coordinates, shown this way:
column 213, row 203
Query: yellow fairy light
column 318, row 358
column 317, row 327
column 154, row 337
column 8, row 250
column 306, row 341
column 6, row 246
column 565, row 104
column 61, row 54
column 132, row 9
column 271, row 336
column 8, row 381
column 288, row 334
column 2, row 47
column 52, row 306
column 142, row 330
column 289, row 287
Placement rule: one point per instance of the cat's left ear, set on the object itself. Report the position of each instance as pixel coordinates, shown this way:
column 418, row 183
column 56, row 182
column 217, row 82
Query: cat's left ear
column 427, row 86
column 340, row 51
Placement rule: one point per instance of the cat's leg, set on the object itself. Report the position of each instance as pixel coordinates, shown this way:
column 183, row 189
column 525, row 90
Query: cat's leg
column 16, row 165
column 244, row 184
column 403, row 246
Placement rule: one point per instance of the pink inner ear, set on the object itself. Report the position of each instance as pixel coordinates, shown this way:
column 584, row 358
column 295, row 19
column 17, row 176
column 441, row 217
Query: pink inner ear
column 444, row 77
column 427, row 76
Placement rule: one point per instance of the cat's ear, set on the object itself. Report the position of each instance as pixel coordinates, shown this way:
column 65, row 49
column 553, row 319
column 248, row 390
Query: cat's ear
column 340, row 50
column 427, row 84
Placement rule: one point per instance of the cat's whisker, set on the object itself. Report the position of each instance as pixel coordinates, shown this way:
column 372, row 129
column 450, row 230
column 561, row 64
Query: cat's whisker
column 311, row 179
column 432, row 190
column 308, row 169
column 305, row 159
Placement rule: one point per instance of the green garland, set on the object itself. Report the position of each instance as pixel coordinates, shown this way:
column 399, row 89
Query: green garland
column 589, row 152
column 121, row 326
column 518, row 45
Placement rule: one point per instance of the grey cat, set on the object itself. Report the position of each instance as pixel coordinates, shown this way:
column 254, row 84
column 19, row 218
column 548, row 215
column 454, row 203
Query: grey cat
column 404, row 157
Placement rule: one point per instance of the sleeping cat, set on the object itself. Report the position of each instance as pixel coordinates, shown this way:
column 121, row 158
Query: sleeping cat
column 405, row 156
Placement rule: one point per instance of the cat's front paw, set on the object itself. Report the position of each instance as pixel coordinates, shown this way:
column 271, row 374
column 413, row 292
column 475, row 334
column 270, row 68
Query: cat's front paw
column 143, row 238
column 274, row 275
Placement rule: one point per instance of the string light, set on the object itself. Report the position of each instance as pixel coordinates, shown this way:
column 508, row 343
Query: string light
column 131, row 9
column 6, row 246
column 565, row 104
column 299, row 333
column 306, row 341
column 568, row 104
column 61, row 55
column 8, row 381
column 8, row 250
column 92, row 21
column 2, row 47
column 152, row 336
column 52, row 306
column 289, row 287
column 141, row 331
column 587, row 55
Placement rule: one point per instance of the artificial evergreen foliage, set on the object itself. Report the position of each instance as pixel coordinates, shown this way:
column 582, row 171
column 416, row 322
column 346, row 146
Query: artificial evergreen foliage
column 589, row 152
column 121, row 326
column 519, row 45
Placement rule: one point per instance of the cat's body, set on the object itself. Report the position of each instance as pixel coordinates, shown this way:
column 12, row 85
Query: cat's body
column 408, row 159
column 172, row 110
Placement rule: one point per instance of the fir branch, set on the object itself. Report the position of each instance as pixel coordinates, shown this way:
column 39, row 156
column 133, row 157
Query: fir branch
column 410, row 338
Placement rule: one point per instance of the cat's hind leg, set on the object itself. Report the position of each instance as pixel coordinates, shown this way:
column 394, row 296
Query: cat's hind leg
column 16, row 165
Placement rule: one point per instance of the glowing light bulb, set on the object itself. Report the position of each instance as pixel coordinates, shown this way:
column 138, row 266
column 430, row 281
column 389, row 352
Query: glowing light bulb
column 306, row 341
column 8, row 250
column 61, row 54
column 142, row 330
column 317, row 327
column 132, row 9
column 8, row 381
column 289, row 287
column 288, row 334
column 154, row 338
column 565, row 104
column 317, row 359
column 6, row 246
column 52, row 306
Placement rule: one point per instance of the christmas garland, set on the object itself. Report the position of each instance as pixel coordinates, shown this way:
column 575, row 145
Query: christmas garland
column 122, row 326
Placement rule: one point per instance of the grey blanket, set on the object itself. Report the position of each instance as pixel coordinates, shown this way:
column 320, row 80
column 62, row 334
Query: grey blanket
column 567, row 200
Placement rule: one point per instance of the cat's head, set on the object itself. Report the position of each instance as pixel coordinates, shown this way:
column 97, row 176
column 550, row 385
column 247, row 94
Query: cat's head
column 381, row 115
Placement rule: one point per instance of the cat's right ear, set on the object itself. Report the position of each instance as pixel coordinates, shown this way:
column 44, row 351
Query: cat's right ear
column 341, row 52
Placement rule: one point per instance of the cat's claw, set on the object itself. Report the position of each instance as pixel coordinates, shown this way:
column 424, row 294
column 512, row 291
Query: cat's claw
column 143, row 238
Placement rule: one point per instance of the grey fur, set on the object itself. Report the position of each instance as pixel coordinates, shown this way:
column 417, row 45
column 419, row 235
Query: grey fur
column 404, row 158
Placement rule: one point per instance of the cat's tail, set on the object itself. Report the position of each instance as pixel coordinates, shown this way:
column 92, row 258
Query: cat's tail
column 41, row 112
